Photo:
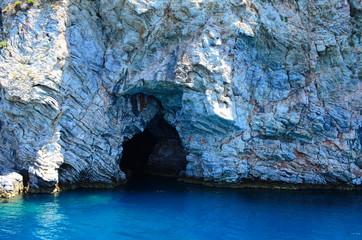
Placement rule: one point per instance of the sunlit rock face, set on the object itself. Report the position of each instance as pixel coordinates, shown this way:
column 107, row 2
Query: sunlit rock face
column 10, row 185
column 258, row 91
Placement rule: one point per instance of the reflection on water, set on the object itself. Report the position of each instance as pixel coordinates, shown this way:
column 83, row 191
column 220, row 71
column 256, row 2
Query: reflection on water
column 50, row 221
column 12, row 212
column 160, row 208
column 44, row 215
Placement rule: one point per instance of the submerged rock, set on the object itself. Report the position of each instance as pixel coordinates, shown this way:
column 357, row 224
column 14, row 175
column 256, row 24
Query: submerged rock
column 257, row 90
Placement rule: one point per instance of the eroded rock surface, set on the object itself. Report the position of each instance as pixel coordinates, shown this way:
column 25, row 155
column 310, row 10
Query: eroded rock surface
column 257, row 90
column 10, row 185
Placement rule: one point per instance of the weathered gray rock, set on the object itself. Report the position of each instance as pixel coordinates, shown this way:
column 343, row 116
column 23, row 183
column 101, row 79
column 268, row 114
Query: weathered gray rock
column 10, row 185
column 257, row 90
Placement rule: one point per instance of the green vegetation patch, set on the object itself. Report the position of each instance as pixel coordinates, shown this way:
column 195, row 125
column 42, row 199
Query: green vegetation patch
column 3, row 44
column 17, row 5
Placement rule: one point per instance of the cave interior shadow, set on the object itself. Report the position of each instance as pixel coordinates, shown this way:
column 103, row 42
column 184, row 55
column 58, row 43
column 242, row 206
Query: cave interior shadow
column 157, row 151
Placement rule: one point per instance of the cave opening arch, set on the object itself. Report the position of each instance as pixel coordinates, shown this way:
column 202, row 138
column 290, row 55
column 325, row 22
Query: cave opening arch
column 158, row 150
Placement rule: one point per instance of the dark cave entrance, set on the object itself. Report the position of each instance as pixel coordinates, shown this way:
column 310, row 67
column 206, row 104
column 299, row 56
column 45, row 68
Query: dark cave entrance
column 157, row 151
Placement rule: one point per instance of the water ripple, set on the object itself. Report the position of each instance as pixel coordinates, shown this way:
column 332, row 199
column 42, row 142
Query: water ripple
column 170, row 210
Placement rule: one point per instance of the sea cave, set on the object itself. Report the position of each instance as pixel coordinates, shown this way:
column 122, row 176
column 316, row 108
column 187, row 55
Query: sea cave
column 158, row 150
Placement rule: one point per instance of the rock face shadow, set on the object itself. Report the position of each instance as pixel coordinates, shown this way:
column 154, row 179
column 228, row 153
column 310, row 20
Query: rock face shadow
column 157, row 150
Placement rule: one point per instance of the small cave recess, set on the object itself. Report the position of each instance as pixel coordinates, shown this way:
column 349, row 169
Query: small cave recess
column 157, row 151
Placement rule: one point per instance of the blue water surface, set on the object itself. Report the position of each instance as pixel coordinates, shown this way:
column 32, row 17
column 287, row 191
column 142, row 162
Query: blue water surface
column 159, row 208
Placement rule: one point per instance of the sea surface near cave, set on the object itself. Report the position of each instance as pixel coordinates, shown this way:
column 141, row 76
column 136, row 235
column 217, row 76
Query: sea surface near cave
column 161, row 208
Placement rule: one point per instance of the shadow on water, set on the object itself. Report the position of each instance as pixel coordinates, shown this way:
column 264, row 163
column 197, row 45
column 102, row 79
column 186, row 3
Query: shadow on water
column 159, row 184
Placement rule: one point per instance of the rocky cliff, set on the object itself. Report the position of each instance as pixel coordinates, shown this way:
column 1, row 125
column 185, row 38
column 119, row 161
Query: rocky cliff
column 259, row 92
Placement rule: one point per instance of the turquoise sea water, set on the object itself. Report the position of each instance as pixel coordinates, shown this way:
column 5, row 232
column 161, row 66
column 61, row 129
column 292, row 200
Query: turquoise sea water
column 165, row 209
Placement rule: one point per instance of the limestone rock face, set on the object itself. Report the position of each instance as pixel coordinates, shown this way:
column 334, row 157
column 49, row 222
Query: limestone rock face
column 10, row 185
column 258, row 90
